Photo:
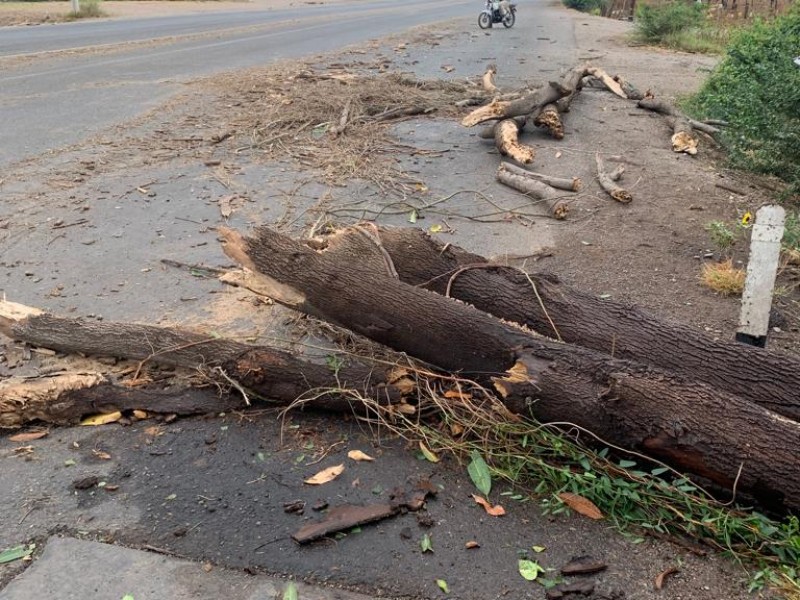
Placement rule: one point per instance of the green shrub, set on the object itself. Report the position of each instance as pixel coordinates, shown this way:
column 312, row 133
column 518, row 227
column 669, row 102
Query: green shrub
column 87, row 9
column 655, row 23
column 756, row 88
column 590, row 6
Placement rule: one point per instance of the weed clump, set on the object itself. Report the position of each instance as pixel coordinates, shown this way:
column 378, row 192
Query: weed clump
column 723, row 278
column 594, row 7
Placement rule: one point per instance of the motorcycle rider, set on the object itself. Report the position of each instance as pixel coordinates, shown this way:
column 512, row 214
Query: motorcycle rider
column 505, row 8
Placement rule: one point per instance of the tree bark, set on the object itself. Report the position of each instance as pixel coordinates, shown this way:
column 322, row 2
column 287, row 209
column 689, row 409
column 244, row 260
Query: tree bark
column 499, row 109
column 506, row 138
column 550, row 307
column 556, row 203
column 264, row 372
column 627, row 404
column 66, row 398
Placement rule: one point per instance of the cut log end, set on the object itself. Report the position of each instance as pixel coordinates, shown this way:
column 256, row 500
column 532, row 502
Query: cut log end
column 684, row 141
column 550, row 120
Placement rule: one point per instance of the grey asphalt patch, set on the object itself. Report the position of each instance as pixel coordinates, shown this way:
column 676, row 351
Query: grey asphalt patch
column 80, row 570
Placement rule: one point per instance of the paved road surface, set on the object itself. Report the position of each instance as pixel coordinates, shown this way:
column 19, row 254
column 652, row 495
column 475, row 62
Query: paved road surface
column 54, row 102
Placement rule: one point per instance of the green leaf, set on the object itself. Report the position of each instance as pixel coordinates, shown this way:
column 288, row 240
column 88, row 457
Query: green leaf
column 290, row 591
column 69, row 462
column 412, row 216
column 15, row 553
column 426, row 544
column 548, row 583
column 443, row 585
column 538, row 549
column 426, row 452
column 127, row 597
column 530, row 569
column 479, row 473
column 171, row 497
column 627, row 464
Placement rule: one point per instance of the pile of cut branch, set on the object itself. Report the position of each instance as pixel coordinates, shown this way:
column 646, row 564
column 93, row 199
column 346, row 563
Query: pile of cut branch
column 545, row 108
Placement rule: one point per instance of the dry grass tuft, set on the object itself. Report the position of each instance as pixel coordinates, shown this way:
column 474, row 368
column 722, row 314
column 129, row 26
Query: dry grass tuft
column 723, row 278
column 336, row 122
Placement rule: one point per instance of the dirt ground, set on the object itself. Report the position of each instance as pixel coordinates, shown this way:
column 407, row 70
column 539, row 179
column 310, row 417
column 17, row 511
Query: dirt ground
column 37, row 13
column 213, row 489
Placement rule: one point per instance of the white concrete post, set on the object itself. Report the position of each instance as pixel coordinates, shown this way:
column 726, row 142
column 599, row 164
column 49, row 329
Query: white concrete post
column 76, row 6
column 762, row 267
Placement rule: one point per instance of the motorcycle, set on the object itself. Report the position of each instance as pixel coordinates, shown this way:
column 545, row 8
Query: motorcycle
column 492, row 14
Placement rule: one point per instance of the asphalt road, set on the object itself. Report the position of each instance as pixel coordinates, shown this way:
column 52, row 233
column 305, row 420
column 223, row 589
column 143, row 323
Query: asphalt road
column 60, row 98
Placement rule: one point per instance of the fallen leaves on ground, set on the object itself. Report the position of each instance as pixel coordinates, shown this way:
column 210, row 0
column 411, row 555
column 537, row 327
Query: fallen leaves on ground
column 326, row 475
column 659, row 581
column 581, row 505
column 443, row 585
column 479, row 473
column 529, row 569
column 16, row 553
column 358, row 455
column 426, row 452
column 472, row 544
column 495, row 511
column 426, row 544
column 103, row 419
column 101, row 454
column 28, row 437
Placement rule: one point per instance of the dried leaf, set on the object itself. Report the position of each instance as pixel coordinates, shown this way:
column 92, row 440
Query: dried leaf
column 225, row 206
column 406, row 409
column 530, row 569
column 581, row 505
column 538, row 549
column 435, row 228
column 140, row 414
column 479, row 473
column 426, row 544
column 101, row 455
column 443, row 585
column 659, row 581
column 494, row 511
column 358, row 455
column 430, row 456
column 472, row 544
column 28, row 437
column 456, row 394
column 326, row 475
column 102, row 419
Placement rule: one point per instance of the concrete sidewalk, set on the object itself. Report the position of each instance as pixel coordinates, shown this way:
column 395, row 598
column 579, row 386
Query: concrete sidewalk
column 71, row 569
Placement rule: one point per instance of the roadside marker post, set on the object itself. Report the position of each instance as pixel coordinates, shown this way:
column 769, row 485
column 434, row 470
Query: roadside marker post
column 762, row 268
column 76, row 6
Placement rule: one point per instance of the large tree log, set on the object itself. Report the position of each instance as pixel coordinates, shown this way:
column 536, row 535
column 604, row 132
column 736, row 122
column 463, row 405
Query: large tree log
column 573, row 184
column 543, row 303
column 499, row 109
column 66, row 398
column 695, row 427
column 265, row 372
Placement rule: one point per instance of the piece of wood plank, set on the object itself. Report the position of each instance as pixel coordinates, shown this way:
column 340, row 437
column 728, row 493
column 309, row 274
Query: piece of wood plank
column 340, row 518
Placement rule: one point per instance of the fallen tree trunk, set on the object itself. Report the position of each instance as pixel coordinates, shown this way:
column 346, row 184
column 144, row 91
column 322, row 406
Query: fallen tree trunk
column 499, row 109
column 506, row 138
column 264, row 372
column 630, row 90
column 627, row 404
column 550, row 307
column 556, row 203
column 608, row 182
column 66, row 398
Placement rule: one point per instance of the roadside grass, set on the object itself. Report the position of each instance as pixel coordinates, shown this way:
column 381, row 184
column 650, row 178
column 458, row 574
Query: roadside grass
column 594, row 7
column 680, row 26
column 756, row 90
column 638, row 495
column 87, row 9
